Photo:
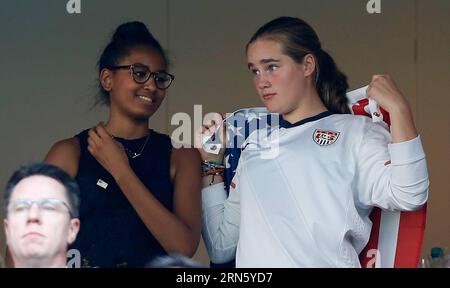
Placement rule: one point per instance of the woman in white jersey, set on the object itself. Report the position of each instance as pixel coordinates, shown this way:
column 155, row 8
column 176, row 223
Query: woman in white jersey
column 308, row 205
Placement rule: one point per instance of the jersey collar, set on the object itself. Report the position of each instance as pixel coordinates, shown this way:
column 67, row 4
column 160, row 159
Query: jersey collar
column 286, row 124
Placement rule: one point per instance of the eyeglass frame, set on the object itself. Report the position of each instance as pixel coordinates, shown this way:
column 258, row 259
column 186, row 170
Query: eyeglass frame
column 39, row 203
column 150, row 74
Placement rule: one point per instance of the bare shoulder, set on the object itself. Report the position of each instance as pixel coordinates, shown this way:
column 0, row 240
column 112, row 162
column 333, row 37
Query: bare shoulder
column 186, row 155
column 184, row 159
column 66, row 155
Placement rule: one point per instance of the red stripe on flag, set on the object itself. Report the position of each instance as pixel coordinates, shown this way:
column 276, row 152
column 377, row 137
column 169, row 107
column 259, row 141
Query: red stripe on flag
column 365, row 256
column 410, row 238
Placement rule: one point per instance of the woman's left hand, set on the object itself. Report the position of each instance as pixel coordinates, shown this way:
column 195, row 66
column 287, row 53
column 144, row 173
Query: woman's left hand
column 383, row 90
column 108, row 152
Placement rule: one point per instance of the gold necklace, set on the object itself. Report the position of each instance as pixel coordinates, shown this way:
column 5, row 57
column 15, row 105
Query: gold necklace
column 134, row 154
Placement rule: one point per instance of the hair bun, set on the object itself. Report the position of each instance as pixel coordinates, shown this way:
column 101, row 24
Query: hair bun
column 131, row 32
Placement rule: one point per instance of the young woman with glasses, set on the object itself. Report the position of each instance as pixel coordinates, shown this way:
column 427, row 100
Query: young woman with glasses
column 140, row 198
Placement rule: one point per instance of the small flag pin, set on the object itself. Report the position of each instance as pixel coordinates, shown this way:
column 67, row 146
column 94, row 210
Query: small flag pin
column 102, row 183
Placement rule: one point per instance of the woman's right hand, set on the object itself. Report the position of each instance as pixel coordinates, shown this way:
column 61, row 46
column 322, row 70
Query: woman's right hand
column 210, row 129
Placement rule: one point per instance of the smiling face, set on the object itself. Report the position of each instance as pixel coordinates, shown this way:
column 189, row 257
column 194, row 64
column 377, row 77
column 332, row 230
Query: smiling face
column 134, row 100
column 278, row 79
column 39, row 234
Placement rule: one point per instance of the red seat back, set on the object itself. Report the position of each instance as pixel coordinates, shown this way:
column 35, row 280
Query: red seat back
column 396, row 237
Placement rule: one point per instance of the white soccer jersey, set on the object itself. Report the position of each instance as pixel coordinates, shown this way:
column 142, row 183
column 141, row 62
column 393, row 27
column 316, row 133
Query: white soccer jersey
column 308, row 204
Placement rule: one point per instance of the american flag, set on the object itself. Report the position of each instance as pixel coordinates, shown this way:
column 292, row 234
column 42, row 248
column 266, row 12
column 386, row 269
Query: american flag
column 239, row 126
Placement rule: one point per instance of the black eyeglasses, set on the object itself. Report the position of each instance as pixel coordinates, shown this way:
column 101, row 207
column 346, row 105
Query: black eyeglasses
column 141, row 74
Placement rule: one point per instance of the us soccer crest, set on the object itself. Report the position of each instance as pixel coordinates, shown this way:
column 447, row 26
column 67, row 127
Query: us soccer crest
column 324, row 137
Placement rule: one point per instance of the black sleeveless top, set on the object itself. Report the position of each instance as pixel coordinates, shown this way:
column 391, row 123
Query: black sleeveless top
column 111, row 232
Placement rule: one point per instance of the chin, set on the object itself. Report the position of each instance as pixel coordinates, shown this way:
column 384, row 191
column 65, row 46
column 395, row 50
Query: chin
column 34, row 253
column 273, row 108
column 143, row 115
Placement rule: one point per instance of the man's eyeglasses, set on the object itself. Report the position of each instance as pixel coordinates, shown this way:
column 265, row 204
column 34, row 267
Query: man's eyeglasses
column 141, row 74
column 47, row 205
